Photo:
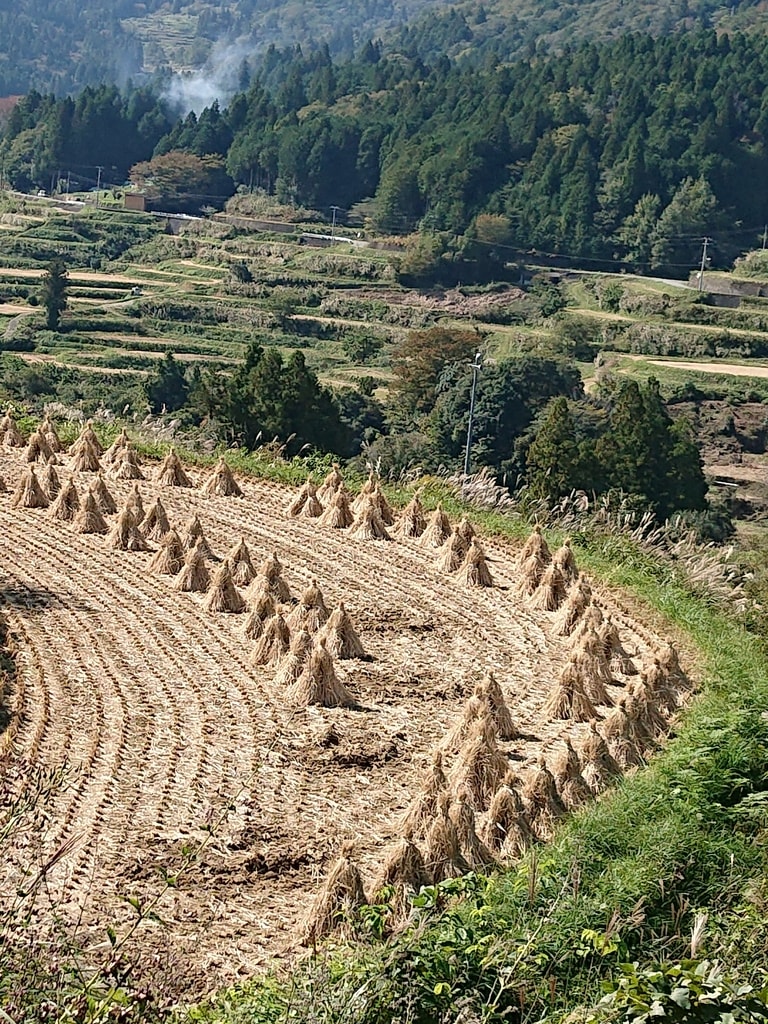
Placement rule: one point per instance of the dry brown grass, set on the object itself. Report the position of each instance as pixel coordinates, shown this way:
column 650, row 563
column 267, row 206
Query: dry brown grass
column 337, row 513
column 273, row 644
column 565, row 560
column 571, row 786
column 451, row 554
column 423, row 808
column 105, row 501
column 38, row 449
column 507, row 830
column 155, row 525
column 239, row 557
column 490, row 693
column 310, row 613
column 86, row 460
column 368, row 524
column 551, row 591
column 404, row 871
column 294, row 662
column 272, row 570
column 135, row 503
column 472, row 848
column 474, row 571
column 126, row 466
column 480, row 766
column 443, row 857
column 438, row 529
column 576, row 603
column 49, row 479
column 568, row 700
column 48, row 430
column 193, row 536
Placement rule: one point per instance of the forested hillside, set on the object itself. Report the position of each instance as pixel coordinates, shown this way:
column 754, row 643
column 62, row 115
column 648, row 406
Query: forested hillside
column 62, row 46
column 626, row 151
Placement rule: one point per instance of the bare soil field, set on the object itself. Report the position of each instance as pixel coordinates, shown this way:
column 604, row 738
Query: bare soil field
column 169, row 736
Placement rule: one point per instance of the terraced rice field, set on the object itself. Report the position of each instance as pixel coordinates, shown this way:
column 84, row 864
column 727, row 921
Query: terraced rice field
column 170, row 737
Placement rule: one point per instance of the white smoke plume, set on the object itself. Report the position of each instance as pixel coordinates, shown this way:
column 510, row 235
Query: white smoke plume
column 218, row 79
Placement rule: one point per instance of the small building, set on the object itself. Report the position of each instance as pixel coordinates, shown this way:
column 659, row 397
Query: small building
column 136, row 201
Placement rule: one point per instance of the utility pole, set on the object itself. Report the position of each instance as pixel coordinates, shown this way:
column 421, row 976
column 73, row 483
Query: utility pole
column 333, row 223
column 705, row 243
column 765, row 235
column 477, row 365
column 98, row 183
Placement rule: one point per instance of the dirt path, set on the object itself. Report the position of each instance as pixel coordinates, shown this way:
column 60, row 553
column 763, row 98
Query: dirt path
column 167, row 729
column 734, row 369
column 39, row 357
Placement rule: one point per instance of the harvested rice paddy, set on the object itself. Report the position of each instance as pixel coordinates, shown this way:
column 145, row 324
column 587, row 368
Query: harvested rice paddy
column 179, row 756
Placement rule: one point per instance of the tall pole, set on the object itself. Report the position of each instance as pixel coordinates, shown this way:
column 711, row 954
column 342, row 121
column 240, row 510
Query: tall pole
column 335, row 210
column 705, row 243
column 765, row 235
column 476, row 367
column 98, row 183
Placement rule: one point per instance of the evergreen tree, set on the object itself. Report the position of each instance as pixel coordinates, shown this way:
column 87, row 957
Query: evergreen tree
column 553, row 463
column 167, row 389
column 53, row 294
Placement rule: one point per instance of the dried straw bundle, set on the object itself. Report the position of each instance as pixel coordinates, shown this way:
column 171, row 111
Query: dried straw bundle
column 3, row 486
column 318, row 683
column 551, row 591
column 340, row 636
column 658, row 682
column 38, row 449
column 438, row 529
column 591, row 621
column 29, row 493
column 455, row 738
column 571, row 786
column 67, row 503
column 170, row 472
column 223, row 595
column 620, row 735
column 271, row 569
column 169, row 557
column 89, row 519
column 535, row 547
column 294, row 663
column 341, row 895
column 242, row 566
column 531, row 572
column 576, row 603
column 273, row 643
column 423, row 808
column 472, row 848
column 119, row 445
column 383, row 507
column 9, row 432
column 542, row 803
column 643, row 709
column 49, row 479
column 135, row 503
column 332, row 484
column 589, row 661
column 568, row 699
column 306, row 491
column 155, row 523
column 599, row 767
column 365, row 491
column 670, row 662
column 474, row 571
column 481, row 766
column 489, row 692
column 126, row 466
column 310, row 613
column 452, row 553
column 618, row 659
column 193, row 577
column 221, row 483
column 260, row 599
column 413, row 520
column 86, row 460
column 48, row 430
column 105, row 501
column 466, row 531
column 125, row 534
column 337, row 513
column 192, row 536
column 87, row 439
column 368, row 524
column 403, row 871
column 443, row 857
column 565, row 560
column 507, row 829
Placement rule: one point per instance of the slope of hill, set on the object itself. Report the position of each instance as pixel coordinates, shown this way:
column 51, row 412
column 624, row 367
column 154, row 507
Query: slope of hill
column 65, row 45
